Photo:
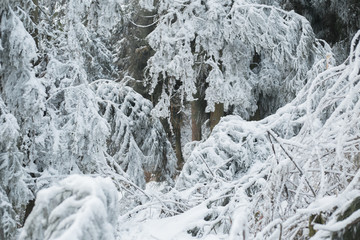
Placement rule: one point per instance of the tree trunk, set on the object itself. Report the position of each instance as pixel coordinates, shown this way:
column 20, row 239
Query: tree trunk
column 176, row 121
column 28, row 209
column 178, row 150
column 216, row 115
column 196, row 120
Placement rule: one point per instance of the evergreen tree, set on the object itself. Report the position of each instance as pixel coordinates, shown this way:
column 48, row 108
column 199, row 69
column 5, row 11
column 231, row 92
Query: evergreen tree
column 73, row 100
column 78, row 207
column 254, row 56
column 14, row 192
column 50, row 80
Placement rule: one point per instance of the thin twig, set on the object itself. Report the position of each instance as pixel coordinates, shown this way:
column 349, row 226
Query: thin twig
column 296, row 165
column 202, row 159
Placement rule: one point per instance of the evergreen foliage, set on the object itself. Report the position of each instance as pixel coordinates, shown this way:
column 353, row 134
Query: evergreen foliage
column 251, row 53
column 266, row 179
column 14, row 192
column 55, row 102
column 78, row 207
column 83, row 85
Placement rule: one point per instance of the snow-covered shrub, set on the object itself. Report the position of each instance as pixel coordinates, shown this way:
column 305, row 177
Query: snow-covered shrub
column 249, row 52
column 330, row 132
column 79, row 207
column 227, row 154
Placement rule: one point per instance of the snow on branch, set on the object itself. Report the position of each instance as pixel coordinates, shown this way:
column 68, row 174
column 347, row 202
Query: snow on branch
column 138, row 140
column 315, row 156
column 246, row 49
column 14, row 193
column 79, row 207
column 275, row 176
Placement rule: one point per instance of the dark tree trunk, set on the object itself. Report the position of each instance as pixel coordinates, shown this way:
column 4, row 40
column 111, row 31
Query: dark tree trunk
column 216, row 115
column 196, row 122
column 28, row 209
column 176, row 122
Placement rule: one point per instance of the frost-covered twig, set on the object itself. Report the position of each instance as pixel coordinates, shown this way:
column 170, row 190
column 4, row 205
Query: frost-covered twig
column 296, row 165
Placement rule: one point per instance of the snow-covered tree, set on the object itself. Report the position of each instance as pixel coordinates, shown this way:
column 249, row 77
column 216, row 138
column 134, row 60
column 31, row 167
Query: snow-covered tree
column 79, row 207
column 131, row 48
column 17, row 52
column 138, row 141
column 63, row 28
column 45, row 82
column 23, row 92
column 310, row 148
column 14, row 192
column 290, row 175
column 12, row 173
column 7, row 217
column 67, row 107
column 331, row 20
column 251, row 54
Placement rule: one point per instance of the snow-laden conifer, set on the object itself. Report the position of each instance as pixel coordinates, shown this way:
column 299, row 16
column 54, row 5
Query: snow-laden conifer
column 14, row 193
column 250, row 52
column 79, row 207
column 137, row 141
column 46, row 77
column 308, row 152
column 272, row 178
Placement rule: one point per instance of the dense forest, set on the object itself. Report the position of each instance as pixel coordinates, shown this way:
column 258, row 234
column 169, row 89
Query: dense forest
column 179, row 119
